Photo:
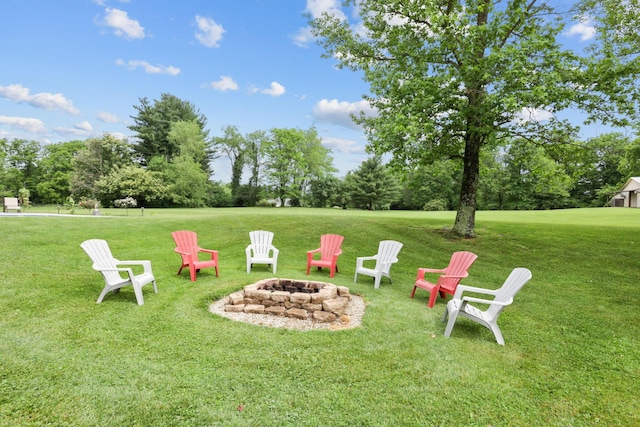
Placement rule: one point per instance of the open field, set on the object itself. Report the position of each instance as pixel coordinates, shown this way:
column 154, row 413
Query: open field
column 572, row 354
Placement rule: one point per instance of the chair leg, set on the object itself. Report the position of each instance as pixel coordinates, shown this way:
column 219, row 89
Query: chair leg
column 192, row 273
column 414, row 291
column 497, row 333
column 452, row 320
column 433, row 294
column 137, row 289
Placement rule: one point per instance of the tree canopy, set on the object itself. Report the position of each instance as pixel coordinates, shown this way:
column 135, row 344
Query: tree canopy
column 449, row 79
column 153, row 124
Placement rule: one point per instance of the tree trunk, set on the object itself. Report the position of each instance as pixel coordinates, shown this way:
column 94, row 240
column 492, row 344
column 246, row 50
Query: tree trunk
column 464, row 225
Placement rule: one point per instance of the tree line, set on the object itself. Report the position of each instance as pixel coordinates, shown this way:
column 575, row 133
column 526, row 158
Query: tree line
column 169, row 165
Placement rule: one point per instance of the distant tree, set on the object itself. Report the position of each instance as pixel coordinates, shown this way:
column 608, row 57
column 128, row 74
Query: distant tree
column 373, row 186
column 495, row 178
column 55, row 170
column 253, row 160
column 323, row 192
column 293, row 157
column 187, row 136
column 630, row 165
column 234, row 145
column 535, row 180
column 20, row 164
column 449, row 79
column 98, row 158
column 436, row 181
column 153, row 124
column 188, row 184
column 593, row 165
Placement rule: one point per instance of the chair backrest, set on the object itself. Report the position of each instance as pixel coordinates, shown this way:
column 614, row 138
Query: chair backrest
column 516, row 280
column 388, row 252
column 100, row 253
column 11, row 202
column 186, row 241
column 330, row 245
column 261, row 241
column 458, row 266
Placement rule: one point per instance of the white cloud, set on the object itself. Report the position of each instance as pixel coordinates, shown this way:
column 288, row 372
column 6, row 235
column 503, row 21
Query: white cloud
column 79, row 130
column 48, row 101
column 24, row 123
column 275, row 90
column 334, row 111
column 347, row 146
column 533, row 114
column 122, row 25
column 303, row 37
column 84, row 126
column 318, row 7
column 585, row 30
column 107, row 117
column 148, row 68
column 224, row 84
column 209, row 32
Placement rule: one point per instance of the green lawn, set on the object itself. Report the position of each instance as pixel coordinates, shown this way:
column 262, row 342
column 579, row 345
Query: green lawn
column 572, row 355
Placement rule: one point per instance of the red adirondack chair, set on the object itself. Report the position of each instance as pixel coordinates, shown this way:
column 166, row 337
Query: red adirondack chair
column 329, row 251
column 449, row 277
column 187, row 247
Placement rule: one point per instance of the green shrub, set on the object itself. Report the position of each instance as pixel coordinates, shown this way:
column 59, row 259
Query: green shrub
column 436, row 205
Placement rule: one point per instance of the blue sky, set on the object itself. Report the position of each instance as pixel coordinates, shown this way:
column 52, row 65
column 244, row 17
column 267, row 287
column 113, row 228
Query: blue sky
column 74, row 69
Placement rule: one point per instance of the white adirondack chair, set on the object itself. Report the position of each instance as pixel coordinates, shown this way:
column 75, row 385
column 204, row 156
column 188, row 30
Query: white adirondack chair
column 387, row 255
column 459, row 305
column 261, row 250
column 99, row 252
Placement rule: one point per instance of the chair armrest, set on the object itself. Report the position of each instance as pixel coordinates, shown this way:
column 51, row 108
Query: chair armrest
column 311, row 253
column 422, row 271
column 146, row 264
column 361, row 259
column 214, row 253
column 125, row 270
column 275, row 250
column 487, row 301
column 464, row 288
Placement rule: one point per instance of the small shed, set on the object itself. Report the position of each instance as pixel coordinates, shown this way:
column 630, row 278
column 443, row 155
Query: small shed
column 629, row 195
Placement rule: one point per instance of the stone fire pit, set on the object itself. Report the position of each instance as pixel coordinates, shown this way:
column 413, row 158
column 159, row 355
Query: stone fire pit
column 299, row 299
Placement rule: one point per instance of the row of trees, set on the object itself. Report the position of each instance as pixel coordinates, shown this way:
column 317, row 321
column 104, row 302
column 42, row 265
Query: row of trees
column 292, row 164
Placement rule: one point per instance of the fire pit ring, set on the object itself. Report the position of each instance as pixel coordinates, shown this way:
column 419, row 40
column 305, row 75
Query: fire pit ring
column 295, row 299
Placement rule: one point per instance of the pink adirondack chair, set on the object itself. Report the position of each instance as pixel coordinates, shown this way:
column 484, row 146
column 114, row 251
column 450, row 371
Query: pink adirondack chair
column 329, row 251
column 449, row 277
column 187, row 247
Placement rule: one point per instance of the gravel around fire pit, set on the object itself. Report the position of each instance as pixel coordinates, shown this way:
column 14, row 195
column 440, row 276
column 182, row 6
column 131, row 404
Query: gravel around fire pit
column 351, row 318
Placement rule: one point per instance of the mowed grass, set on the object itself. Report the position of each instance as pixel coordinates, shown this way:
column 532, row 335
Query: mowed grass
column 572, row 355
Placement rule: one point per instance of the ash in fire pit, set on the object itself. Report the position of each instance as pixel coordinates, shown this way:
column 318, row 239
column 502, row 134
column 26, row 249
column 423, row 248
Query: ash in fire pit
column 323, row 302
column 291, row 286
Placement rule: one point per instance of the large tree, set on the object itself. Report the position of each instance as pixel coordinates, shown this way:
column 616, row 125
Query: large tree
column 449, row 78
column 153, row 125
